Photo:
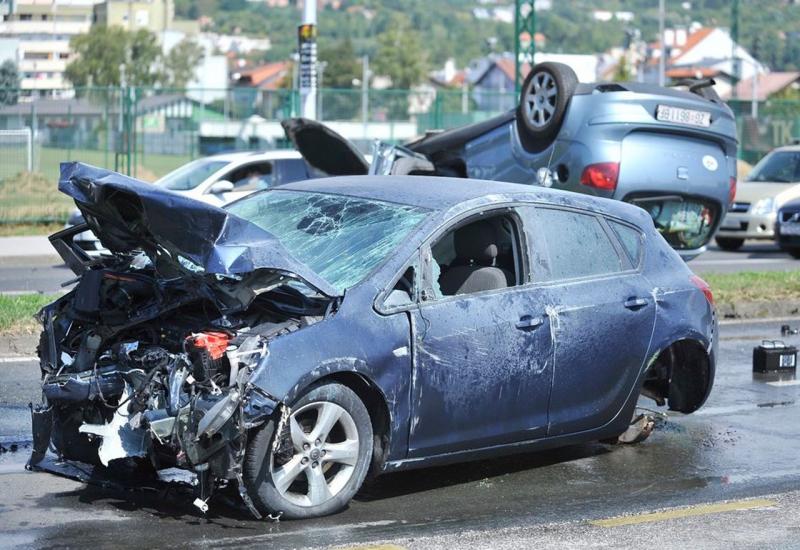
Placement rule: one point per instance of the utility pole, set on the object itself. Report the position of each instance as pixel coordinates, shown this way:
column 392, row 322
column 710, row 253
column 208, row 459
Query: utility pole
column 524, row 21
column 737, row 62
column 365, row 93
column 307, row 50
column 662, row 59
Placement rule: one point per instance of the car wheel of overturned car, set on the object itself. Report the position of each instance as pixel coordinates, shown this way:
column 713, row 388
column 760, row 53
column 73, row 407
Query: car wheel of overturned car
column 729, row 243
column 318, row 461
column 543, row 102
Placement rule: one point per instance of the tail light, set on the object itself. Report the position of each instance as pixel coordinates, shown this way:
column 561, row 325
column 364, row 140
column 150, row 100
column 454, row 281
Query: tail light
column 215, row 343
column 703, row 286
column 731, row 191
column 602, row 175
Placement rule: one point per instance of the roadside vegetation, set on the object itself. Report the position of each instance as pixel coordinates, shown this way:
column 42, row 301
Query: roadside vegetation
column 27, row 198
column 30, row 203
column 16, row 312
column 747, row 286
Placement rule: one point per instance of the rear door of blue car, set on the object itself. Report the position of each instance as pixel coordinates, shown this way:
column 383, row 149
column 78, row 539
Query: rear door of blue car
column 602, row 312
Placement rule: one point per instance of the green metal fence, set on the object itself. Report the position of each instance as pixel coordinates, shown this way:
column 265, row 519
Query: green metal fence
column 149, row 132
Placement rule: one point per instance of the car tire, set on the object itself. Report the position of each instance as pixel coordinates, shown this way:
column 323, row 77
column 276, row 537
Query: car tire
column 543, row 102
column 793, row 252
column 294, row 478
column 729, row 243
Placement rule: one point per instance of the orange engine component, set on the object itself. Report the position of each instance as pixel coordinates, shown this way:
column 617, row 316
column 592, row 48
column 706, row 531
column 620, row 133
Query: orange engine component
column 215, row 343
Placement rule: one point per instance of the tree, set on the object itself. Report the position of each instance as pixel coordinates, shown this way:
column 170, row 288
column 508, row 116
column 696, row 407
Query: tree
column 102, row 52
column 9, row 83
column 342, row 66
column 400, row 54
column 180, row 63
column 341, row 69
column 99, row 56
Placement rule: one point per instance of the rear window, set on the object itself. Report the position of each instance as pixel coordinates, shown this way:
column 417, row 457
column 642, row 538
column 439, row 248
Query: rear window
column 577, row 244
column 631, row 240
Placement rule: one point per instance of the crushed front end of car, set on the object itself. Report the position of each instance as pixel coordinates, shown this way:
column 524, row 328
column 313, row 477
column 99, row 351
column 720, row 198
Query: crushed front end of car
column 148, row 361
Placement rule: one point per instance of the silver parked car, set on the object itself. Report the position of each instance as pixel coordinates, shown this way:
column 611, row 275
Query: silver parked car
column 773, row 182
column 671, row 151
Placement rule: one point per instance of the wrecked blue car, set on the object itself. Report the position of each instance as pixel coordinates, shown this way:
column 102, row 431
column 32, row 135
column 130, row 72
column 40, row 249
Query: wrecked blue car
column 309, row 336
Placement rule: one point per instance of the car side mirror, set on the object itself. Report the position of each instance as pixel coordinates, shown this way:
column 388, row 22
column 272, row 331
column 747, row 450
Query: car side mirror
column 222, row 186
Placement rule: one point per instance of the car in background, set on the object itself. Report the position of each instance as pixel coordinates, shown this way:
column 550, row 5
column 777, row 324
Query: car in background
column 671, row 151
column 306, row 335
column 773, row 182
column 219, row 180
column 787, row 228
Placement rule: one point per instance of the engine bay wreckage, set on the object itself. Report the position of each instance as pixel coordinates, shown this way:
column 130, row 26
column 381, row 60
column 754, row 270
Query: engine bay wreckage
column 151, row 359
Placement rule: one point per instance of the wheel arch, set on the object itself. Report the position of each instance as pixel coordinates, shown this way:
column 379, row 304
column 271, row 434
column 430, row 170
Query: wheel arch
column 374, row 400
column 680, row 374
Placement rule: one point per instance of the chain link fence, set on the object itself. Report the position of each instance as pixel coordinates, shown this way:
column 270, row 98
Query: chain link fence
column 149, row 132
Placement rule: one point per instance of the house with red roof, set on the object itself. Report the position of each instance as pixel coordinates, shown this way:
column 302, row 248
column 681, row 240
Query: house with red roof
column 702, row 52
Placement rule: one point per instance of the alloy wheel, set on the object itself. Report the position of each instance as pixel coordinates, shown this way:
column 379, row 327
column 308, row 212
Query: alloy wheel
column 325, row 445
column 540, row 100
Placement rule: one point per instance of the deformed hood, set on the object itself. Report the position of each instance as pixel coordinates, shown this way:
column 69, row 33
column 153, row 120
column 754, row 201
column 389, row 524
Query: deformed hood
column 127, row 214
column 324, row 149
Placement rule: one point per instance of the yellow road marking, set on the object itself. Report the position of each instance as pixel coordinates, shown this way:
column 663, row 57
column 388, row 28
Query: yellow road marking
column 375, row 547
column 700, row 510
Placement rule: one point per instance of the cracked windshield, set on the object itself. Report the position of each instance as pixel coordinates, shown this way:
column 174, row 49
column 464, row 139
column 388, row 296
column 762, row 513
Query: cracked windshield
column 340, row 238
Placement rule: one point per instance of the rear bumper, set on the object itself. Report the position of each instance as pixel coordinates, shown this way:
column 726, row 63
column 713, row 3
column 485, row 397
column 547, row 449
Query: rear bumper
column 747, row 226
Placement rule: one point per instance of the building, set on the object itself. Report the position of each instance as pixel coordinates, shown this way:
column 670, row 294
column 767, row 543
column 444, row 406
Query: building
column 154, row 15
column 767, row 86
column 164, row 124
column 36, row 34
column 704, row 51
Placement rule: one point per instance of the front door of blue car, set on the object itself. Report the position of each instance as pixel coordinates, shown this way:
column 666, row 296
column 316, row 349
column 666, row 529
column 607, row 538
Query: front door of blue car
column 483, row 358
column 602, row 312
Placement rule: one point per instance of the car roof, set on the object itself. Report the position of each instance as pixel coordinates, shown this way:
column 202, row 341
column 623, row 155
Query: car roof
column 441, row 193
column 792, row 148
column 239, row 156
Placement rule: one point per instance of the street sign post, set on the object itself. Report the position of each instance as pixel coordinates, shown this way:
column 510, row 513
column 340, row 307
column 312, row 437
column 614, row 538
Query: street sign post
column 307, row 49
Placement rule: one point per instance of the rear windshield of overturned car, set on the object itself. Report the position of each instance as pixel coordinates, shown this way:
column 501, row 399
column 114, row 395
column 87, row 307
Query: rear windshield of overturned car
column 340, row 238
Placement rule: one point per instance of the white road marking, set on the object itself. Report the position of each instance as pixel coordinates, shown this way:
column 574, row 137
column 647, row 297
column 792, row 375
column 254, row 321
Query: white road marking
column 19, row 359
column 784, row 383
column 750, row 261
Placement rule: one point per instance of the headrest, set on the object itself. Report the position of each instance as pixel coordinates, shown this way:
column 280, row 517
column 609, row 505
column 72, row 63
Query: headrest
column 476, row 242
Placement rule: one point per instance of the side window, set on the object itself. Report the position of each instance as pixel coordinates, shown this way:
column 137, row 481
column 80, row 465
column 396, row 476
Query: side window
column 577, row 244
column 404, row 291
column 290, row 170
column 631, row 240
column 252, row 177
column 475, row 256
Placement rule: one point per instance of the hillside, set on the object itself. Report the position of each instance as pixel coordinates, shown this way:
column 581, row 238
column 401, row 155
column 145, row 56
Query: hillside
column 449, row 28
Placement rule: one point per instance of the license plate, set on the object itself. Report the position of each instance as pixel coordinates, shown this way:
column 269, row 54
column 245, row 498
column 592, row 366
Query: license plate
column 789, row 228
column 678, row 115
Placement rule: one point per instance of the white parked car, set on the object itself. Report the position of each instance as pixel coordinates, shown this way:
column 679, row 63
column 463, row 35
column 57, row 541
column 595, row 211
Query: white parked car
column 220, row 179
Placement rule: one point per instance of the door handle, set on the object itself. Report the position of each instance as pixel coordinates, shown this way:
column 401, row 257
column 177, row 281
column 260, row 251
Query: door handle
column 528, row 322
column 635, row 303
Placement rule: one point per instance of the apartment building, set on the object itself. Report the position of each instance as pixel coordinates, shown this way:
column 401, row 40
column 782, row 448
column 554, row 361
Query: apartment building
column 37, row 34
column 154, row 15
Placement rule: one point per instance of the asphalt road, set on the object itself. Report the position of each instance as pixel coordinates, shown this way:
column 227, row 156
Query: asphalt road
column 46, row 274
column 726, row 476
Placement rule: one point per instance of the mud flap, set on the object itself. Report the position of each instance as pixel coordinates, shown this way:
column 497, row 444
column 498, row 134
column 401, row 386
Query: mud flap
column 41, row 427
